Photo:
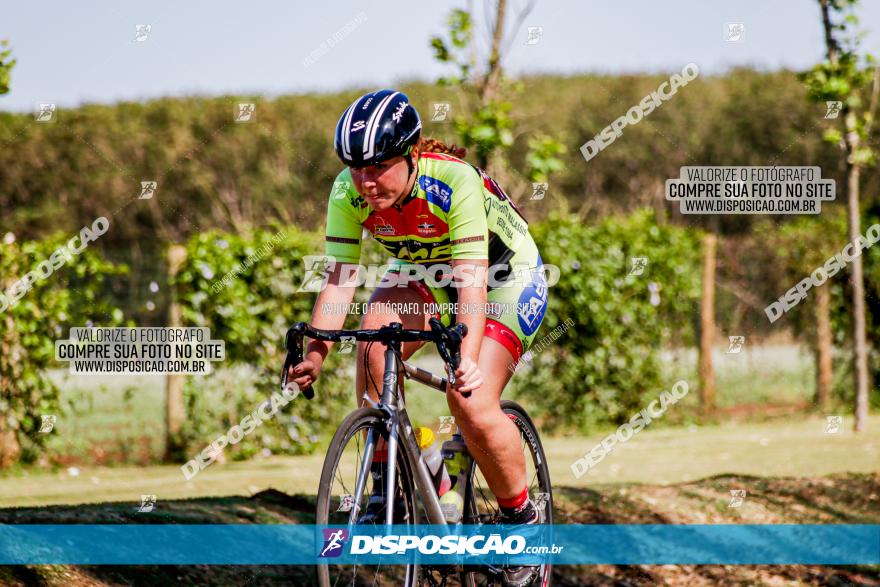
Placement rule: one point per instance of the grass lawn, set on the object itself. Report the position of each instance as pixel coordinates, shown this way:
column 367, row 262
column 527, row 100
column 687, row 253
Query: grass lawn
column 793, row 448
column 118, row 421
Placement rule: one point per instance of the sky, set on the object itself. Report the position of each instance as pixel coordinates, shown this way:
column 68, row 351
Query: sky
column 70, row 53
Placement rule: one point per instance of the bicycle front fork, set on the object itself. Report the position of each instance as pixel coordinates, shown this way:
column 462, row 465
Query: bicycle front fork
column 395, row 410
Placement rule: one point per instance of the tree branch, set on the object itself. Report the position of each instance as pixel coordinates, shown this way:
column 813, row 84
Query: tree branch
column 872, row 109
column 490, row 84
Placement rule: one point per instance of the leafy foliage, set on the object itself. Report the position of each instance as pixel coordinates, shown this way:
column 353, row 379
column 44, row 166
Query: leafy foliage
column 543, row 158
column 488, row 127
column 74, row 295
column 603, row 367
column 6, row 65
column 846, row 80
column 488, row 130
column 460, row 29
column 252, row 312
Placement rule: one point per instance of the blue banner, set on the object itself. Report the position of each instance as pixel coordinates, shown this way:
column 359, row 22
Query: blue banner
column 737, row 544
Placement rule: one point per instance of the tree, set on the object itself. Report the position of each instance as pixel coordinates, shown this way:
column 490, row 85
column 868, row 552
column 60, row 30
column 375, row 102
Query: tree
column 843, row 78
column 489, row 128
column 798, row 248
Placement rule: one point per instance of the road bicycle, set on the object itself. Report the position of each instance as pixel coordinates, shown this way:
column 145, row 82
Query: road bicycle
column 346, row 482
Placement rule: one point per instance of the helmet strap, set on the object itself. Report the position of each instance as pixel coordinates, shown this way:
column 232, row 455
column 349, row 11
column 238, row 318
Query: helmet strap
column 411, row 168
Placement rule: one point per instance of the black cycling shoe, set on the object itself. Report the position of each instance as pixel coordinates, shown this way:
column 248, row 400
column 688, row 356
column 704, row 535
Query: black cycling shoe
column 374, row 513
column 520, row 575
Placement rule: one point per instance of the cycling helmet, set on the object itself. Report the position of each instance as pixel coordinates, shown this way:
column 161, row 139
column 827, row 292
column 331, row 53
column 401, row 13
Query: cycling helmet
column 376, row 127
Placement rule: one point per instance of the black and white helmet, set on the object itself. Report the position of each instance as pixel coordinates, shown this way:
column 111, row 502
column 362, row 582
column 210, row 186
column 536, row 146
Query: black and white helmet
column 376, row 127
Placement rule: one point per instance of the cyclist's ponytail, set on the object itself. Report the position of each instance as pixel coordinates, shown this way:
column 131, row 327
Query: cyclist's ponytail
column 431, row 145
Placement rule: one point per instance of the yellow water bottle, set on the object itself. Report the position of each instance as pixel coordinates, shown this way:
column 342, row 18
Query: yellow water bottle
column 433, row 459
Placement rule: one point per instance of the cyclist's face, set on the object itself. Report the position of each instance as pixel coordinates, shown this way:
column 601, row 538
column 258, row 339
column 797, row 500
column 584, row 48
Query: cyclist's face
column 381, row 184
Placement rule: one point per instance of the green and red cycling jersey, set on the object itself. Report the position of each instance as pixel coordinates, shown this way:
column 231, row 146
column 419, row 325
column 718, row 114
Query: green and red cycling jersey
column 455, row 211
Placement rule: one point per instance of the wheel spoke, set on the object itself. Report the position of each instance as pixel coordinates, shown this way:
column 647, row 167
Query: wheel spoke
column 347, row 455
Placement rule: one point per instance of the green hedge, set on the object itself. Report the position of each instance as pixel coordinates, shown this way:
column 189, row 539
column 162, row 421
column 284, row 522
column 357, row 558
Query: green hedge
column 598, row 371
column 604, row 365
column 252, row 311
column 74, row 294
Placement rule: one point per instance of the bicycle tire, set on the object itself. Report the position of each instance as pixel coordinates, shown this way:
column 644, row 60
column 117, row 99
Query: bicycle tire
column 358, row 420
column 472, row 514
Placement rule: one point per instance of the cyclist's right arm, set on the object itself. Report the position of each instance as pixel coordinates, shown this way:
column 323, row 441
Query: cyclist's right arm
column 333, row 295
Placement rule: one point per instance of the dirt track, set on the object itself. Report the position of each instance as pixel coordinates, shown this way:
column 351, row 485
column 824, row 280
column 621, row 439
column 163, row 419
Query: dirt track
column 851, row 498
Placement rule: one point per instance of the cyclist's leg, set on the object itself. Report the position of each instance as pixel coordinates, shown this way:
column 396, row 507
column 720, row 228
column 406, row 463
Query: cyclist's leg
column 378, row 315
column 370, row 379
column 492, row 438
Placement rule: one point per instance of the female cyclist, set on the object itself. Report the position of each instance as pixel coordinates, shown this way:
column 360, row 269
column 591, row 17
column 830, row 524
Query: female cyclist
column 432, row 208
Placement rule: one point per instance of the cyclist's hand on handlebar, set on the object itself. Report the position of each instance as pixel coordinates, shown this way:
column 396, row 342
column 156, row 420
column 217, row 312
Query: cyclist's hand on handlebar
column 468, row 377
column 304, row 374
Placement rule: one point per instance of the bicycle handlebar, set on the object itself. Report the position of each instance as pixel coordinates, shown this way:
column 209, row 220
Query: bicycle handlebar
column 448, row 341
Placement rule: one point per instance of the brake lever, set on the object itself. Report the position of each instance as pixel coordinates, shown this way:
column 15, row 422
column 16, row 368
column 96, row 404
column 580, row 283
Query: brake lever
column 449, row 347
column 440, row 330
column 294, row 344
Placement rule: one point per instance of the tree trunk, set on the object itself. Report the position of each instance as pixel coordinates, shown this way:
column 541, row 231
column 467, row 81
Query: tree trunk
column 851, row 140
column 823, row 347
column 860, row 343
column 707, row 324
column 175, row 411
column 493, row 75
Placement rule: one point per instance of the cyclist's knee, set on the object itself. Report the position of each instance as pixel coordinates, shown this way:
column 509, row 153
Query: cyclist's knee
column 393, row 304
column 475, row 420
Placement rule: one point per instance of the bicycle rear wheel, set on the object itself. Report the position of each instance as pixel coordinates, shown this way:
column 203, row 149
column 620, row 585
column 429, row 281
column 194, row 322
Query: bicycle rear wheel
column 481, row 506
column 342, row 468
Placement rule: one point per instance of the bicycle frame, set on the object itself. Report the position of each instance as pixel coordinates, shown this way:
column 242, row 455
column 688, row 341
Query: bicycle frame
column 393, row 404
column 448, row 341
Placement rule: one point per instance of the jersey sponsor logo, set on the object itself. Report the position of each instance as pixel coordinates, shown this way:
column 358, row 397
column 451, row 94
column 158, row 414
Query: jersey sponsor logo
column 359, row 125
column 385, row 229
column 357, row 201
column 533, row 302
column 431, row 251
column 437, row 192
column 378, row 223
column 426, row 228
column 436, row 251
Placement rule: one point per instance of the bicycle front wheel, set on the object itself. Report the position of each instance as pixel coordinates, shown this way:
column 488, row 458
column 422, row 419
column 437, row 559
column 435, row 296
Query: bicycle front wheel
column 343, row 467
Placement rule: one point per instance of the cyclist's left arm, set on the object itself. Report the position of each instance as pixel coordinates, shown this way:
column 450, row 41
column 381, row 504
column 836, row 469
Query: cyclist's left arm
column 472, row 299
column 469, row 236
